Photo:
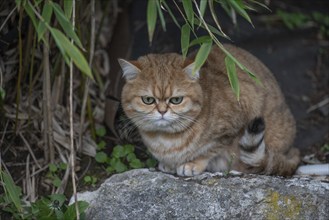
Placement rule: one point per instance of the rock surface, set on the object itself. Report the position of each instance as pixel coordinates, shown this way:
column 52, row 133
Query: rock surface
column 144, row 194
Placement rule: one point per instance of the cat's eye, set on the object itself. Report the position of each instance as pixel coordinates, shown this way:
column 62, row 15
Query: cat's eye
column 148, row 100
column 176, row 100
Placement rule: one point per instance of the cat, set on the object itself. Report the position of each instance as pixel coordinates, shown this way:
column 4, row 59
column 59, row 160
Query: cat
column 192, row 122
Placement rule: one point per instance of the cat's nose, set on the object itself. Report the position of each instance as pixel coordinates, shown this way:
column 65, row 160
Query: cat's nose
column 162, row 112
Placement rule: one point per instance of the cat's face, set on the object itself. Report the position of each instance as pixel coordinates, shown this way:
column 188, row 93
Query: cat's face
column 161, row 93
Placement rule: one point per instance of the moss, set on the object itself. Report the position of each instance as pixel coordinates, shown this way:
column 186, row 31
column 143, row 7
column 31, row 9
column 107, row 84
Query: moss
column 283, row 207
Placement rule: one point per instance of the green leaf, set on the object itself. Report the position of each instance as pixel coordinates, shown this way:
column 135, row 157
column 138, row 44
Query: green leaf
column 232, row 75
column 171, row 14
column 2, row 93
column 136, row 164
column 18, row 3
column 128, row 149
column 101, row 157
column 101, row 145
column 203, row 6
column 60, row 198
column 131, row 157
column 214, row 16
column 12, row 191
column 118, row 152
column 46, row 15
column 163, row 21
column 211, row 28
column 151, row 18
column 87, row 179
column 239, row 8
column 188, row 8
column 120, row 167
column 202, row 55
column 100, row 132
column 68, row 6
column 71, row 51
column 52, row 167
column 70, row 213
column 185, row 39
column 66, row 24
column 57, row 181
column 151, row 163
column 30, row 13
column 200, row 40
column 63, row 166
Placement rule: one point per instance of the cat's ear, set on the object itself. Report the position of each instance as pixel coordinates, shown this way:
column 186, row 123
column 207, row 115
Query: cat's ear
column 188, row 69
column 130, row 69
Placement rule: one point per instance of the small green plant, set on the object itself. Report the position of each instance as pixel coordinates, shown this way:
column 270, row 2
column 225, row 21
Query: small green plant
column 90, row 180
column 54, row 172
column 50, row 207
column 325, row 148
column 294, row 20
column 123, row 158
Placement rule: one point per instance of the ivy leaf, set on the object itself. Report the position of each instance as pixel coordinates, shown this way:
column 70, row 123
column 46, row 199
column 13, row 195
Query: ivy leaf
column 100, row 157
column 118, row 152
column 100, row 132
column 151, row 163
column 120, row 167
column 52, row 168
column 70, row 213
column 128, row 149
column 136, row 163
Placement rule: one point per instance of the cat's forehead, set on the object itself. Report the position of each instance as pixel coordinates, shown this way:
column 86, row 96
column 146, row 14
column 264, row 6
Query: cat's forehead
column 169, row 60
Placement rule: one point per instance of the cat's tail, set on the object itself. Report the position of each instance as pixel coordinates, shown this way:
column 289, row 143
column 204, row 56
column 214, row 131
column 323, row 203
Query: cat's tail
column 259, row 158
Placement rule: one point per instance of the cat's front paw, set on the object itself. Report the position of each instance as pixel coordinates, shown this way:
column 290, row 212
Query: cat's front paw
column 190, row 169
column 165, row 169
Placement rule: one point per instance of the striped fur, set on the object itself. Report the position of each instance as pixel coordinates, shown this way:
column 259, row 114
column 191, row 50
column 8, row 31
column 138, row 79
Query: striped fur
column 209, row 130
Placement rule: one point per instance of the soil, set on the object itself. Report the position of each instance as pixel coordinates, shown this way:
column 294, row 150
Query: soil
column 298, row 58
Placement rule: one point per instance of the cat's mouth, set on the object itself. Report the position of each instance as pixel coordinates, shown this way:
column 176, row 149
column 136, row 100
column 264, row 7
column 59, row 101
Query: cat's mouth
column 162, row 122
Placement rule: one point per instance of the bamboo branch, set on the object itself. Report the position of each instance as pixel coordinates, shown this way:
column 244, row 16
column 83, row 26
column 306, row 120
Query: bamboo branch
column 86, row 90
column 72, row 150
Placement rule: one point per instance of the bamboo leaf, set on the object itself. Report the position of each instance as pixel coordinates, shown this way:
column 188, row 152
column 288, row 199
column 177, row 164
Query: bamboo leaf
column 46, row 14
column 68, row 6
column 200, row 40
column 202, row 55
column 203, row 6
column 18, row 3
column 151, row 18
column 211, row 28
column 214, row 16
column 163, row 22
column 239, row 8
column 188, row 8
column 260, row 4
column 71, row 51
column 232, row 75
column 185, row 39
column 66, row 24
column 11, row 190
column 30, row 13
column 171, row 14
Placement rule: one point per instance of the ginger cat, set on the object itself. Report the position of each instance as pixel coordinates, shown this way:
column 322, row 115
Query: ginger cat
column 193, row 123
